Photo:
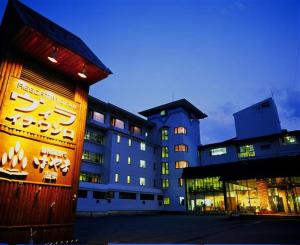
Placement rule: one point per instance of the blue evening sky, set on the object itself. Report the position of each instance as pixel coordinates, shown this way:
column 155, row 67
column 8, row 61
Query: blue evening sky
column 221, row 55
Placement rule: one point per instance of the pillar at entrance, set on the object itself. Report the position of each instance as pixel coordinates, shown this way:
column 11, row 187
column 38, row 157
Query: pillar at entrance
column 262, row 190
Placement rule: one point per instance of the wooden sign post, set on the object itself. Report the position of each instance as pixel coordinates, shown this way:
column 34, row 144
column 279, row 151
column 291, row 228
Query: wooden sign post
column 45, row 74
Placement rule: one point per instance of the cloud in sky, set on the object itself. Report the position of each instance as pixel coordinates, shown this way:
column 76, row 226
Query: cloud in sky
column 219, row 125
column 288, row 103
column 233, row 7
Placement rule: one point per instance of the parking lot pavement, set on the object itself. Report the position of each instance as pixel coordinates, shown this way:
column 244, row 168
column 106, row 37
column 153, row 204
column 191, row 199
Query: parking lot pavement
column 186, row 229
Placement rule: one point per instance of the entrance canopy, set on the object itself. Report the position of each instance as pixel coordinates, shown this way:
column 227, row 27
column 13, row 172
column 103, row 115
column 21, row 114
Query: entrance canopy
column 284, row 166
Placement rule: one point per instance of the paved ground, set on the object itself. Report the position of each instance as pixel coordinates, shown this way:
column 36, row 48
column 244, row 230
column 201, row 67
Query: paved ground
column 186, row 229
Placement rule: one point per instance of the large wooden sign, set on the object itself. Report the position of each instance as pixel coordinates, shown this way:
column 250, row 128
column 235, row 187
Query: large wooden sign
column 39, row 130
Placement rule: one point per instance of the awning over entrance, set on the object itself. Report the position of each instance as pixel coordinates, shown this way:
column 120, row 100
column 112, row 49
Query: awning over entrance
column 283, row 166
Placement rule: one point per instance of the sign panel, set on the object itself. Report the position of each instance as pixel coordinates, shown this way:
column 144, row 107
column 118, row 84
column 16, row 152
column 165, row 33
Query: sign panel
column 38, row 134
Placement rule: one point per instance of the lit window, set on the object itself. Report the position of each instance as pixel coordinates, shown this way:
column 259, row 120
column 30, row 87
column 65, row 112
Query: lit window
column 164, row 152
column 117, row 123
column 289, row 140
column 164, row 168
column 129, row 160
column 180, row 181
column 97, row 116
column 181, row 201
column 94, row 137
column 163, row 113
column 128, row 179
column 166, row 201
column 89, row 177
column 180, row 130
column 117, row 157
column 142, row 181
column 129, row 142
column 142, row 164
column 165, row 183
column 181, row 164
column 146, row 134
column 118, row 138
column 116, row 178
column 135, row 130
column 164, row 134
column 143, row 146
column 218, row 151
column 92, row 156
column 246, row 151
column 181, row 147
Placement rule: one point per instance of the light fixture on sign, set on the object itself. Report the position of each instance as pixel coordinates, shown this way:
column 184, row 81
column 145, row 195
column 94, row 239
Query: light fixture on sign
column 53, row 56
column 82, row 74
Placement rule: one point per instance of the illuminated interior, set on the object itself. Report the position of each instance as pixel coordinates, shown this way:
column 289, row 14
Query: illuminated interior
column 264, row 196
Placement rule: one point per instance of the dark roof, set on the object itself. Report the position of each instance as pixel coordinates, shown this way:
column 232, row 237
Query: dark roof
column 284, row 166
column 56, row 33
column 123, row 114
column 33, row 37
column 175, row 104
column 235, row 140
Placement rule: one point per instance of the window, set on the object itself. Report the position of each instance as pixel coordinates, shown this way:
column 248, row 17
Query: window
column 246, row 151
column 129, row 142
column 89, row 177
column 265, row 147
column 164, row 152
column 289, row 140
column 180, row 182
column 181, row 147
column 142, row 164
column 135, row 130
column 164, row 168
column 127, row 195
column 128, row 179
column 82, row 193
column 116, row 178
column 180, row 130
column 159, row 197
column 165, row 183
column 142, row 181
column 147, row 197
column 143, row 146
column 92, row 156
column 166, row 201
column 97, row 116
column 99, row 195
column 163, row 113
column 129, row 160
column 118, row 138
column 164, row 134
column 181, row 201
column 110, row 194
column 94, row 137
column 117, row 157
column 117, row 123
column 181, row 164
column 218, row 151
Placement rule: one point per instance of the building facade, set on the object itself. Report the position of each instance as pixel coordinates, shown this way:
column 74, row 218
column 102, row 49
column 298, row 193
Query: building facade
column 135, row 164
column 257, row 171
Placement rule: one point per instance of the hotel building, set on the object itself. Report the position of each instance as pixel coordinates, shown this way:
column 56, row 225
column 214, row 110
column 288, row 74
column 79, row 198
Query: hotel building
column 136, row 164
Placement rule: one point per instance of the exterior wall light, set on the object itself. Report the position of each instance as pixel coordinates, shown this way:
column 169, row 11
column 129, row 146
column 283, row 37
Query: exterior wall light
column 82, row 74
column 53, row 55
